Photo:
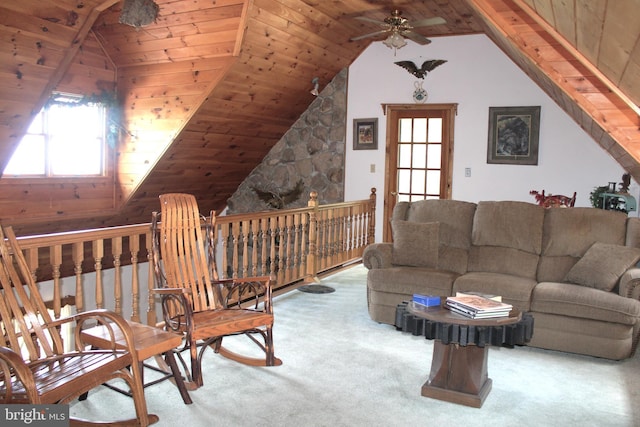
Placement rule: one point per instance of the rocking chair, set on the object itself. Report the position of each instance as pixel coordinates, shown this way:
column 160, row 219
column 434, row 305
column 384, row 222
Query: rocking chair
column 194, row 301
column 34, row 368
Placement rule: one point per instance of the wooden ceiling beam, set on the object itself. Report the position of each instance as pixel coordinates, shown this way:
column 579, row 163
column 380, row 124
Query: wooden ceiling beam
column 576, row 54
column 71, row 52
column 528, row 44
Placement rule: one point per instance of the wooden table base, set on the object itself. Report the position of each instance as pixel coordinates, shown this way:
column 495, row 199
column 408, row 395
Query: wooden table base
column 458, row 374
column 461, row 348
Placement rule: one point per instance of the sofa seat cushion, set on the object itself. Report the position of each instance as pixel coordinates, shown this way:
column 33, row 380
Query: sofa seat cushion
column 411, row 280
column 588, row 303
column 513, row 289
column 583, row 336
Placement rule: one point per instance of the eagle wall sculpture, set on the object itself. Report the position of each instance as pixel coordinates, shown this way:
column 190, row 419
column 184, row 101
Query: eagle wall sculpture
column 281, row 199
column 428, row 65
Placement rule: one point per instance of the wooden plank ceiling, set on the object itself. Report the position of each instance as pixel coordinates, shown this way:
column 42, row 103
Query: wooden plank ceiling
column 212, row 85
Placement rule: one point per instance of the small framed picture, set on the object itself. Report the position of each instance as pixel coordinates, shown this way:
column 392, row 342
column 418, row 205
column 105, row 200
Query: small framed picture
column 513, row 135
column 365, row 134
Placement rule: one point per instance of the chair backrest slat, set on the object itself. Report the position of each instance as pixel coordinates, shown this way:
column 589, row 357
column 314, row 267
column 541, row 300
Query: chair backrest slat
column 184, row 249
column 23, row 313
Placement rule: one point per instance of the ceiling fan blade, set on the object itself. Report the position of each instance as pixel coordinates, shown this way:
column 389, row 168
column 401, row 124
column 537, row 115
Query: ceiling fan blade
column 428, row 22
column 418, row 38
column 374, row 21
column 368, row 35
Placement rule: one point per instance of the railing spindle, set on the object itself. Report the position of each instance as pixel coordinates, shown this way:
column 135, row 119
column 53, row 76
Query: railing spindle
column 134, row 248
column 116, row 251
column 55, row 257
column 77, row 254
column 98, row 253
column 290, row 245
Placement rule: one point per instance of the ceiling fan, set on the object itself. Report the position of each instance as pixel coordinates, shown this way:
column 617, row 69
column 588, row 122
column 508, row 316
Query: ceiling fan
column 399, row 26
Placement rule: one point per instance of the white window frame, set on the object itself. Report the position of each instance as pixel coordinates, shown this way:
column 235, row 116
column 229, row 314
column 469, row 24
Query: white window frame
column 45, row 132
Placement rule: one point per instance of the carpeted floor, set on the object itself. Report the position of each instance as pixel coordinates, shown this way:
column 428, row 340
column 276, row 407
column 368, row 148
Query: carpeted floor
column 342, row 369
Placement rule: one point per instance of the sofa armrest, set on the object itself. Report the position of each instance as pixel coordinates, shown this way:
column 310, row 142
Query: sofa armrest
column 630, row 284
column 377, row 255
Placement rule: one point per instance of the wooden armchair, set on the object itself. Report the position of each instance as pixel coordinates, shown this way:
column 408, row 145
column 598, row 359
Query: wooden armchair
column 34, row 368
column 194, row 301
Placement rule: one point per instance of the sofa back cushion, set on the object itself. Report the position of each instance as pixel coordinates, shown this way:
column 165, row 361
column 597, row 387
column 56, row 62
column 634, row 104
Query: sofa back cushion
column 569, row 233
column 633, row 232
column 506, row 238
column 455, row 219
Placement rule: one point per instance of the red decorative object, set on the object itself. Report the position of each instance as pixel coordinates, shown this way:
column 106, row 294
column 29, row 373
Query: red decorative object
column 554, row 201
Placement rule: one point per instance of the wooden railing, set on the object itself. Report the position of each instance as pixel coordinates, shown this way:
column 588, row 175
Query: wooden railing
column 88, row 268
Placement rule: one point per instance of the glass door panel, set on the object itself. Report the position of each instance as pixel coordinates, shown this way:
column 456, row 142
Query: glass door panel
column 419, row 143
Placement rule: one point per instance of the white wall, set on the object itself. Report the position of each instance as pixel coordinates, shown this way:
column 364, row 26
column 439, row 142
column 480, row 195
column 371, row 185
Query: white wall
column 478, row 75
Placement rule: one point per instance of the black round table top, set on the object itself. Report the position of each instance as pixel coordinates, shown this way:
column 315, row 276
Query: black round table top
column 442, row 314
column 439, row 323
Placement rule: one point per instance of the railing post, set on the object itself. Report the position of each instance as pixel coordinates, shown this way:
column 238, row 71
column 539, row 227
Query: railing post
column 371, row 235
column 312, row 266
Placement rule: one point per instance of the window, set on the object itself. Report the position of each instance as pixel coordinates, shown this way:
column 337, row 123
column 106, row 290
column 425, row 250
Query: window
column 419, row 166
column 67, row 138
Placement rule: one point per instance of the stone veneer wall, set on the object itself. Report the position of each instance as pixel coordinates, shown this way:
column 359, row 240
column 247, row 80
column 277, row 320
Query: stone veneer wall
column 312, row 152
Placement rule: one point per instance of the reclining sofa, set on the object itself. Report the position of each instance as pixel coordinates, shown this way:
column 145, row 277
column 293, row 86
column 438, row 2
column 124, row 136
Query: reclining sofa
column 573, row 269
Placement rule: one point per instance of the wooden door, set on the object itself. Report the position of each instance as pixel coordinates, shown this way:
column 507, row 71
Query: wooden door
column 419, row 159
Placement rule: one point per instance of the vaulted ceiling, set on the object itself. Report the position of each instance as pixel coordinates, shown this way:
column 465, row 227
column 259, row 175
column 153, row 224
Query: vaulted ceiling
column 212, row 85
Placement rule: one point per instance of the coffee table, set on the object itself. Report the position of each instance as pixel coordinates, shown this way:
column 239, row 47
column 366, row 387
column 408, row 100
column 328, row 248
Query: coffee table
column 460, row 350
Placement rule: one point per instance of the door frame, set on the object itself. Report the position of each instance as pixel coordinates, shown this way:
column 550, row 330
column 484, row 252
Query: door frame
column 391, row 150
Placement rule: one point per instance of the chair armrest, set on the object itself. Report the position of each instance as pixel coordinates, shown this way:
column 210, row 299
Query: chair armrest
column 629, row 285
column 12, row 363
column 100, row 316
column 250, row 291
column 377, row 255
column 111, row 320
column 263, row 280
column 174, row 291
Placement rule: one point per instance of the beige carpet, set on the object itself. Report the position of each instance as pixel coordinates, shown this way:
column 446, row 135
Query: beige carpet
column 342, row 369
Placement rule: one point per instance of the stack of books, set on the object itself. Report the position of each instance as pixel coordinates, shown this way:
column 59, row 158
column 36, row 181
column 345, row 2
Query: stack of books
column 478, row 307
column 479, row 294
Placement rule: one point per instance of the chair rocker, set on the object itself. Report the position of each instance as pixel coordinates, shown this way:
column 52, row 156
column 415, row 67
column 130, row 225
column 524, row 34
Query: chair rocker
column 195, row 302
column 34, row 368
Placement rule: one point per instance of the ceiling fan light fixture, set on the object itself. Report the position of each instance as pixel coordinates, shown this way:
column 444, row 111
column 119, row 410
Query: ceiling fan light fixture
column 395, row 41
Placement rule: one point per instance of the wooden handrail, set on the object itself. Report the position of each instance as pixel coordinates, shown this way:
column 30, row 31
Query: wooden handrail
column 293, row 246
